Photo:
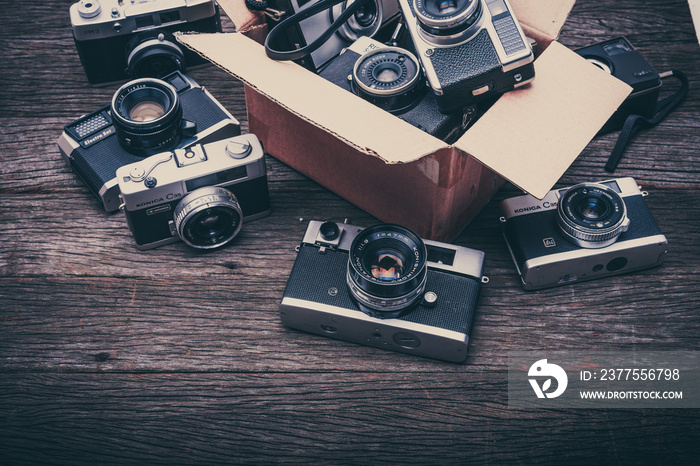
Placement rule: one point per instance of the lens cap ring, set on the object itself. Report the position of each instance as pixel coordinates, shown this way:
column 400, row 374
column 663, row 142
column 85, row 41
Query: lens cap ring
column 592, row 215
column 208, row 217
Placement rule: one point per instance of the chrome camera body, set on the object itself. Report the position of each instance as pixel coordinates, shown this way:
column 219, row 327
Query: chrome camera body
column 470, row 49
column 119, row 40
column 370, row 20
column 587, row 231
column 201, row 194
column 384, row 287
column 146, row 116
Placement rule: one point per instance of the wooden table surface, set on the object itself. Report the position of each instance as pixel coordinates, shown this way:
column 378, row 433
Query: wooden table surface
column 109, row 354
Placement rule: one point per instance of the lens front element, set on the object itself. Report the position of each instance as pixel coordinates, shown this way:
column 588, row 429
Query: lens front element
column 387, row 270
column 592, row 215
column 208, row 217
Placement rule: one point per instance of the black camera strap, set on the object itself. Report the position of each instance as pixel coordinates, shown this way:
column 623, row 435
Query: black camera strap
column 634, row 123
column 295, row 19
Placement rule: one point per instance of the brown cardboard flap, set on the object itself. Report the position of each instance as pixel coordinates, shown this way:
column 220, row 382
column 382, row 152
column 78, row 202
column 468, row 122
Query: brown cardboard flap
column 316, row 100
column 532, row 135
column 542, row 19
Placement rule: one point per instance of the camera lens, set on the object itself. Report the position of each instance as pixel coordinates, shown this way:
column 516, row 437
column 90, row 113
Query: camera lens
column 154, row 55
column 387, row 270
column 208, row 217
column 365, row 22
column 447, row 17
column 592, row 215
column 390, row 78
column 147, row 116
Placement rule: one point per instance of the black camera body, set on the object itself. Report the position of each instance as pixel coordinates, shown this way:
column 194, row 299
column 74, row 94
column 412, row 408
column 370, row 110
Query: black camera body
column 119, row 40
column 174, row 112
column 587, row 231
column 619, row 58
column 470, row 49
column 391, row 78
column 384, row 287
column 201, row 194
column 375, row 19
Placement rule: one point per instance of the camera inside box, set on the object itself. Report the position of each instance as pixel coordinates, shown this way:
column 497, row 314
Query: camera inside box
column 390, row 167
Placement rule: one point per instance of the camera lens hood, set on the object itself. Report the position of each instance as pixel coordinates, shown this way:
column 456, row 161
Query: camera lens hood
column 592, row 215
column 387, row 270
column 147, row 116
column 390, row 78
column 208, row 217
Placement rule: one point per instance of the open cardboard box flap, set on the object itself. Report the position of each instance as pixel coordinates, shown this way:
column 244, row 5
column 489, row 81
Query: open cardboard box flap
column 530, row 136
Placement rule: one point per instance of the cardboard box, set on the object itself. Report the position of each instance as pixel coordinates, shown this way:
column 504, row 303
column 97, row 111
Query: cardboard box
column 397, row 172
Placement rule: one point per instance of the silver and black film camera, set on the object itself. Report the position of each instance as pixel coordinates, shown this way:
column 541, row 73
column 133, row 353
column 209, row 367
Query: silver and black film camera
column 146, row 116
column 370, row 20
column 587, row 231
column 391, row 78
column 384, row 286
column 127, row 39
column 620, row 59
column 201, row 194
column 470, row 49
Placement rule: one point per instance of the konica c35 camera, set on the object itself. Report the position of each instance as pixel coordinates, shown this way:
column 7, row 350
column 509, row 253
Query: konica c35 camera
column 371, row 19
column 385, row 287
column 201, row 194
column 119, row 40
column 470, row 49
column 587, row 231
column 392, row 79
column 146, row 116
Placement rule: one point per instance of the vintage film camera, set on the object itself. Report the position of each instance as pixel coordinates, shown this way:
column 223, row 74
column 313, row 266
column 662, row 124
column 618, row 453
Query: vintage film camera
column 119, row 40
column 587, row 231
column 146, row 116
column 200, row 195
column 391, row 78
column 374, row 19
column 470, row 49
column 618, row 58
column 384, row 287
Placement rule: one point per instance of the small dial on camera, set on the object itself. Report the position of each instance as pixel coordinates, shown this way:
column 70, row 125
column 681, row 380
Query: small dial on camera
column 146, row 116
column 201, row 195
column 384, row 286
column 587, row 231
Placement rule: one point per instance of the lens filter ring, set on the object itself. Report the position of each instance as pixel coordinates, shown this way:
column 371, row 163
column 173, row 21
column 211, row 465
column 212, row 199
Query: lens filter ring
column 390, row 78
column 446, row 17
column 208, row 217
column 147, row 116
column 592, row 215
column 387, row 270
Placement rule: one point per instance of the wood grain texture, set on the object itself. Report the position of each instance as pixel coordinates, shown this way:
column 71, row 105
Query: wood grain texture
column 113, row 355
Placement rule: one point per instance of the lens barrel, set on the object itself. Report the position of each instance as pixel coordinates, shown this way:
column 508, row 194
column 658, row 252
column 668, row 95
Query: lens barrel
column 390, row 78
column 147, row 116
column 387, row 270
column 592, row 215
column 365, row 22
column 446, row 17
column 154, row 55
column 208, row 217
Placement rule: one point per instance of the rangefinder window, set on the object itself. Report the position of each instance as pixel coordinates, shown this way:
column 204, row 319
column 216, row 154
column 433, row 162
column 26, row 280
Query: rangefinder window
column 225, row 176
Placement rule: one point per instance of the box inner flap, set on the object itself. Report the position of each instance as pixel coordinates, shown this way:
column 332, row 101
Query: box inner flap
column 532, row 135
column 316, row 100
column 547, row 17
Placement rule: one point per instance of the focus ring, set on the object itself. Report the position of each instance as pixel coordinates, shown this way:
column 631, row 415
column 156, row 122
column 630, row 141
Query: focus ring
column 199, row 200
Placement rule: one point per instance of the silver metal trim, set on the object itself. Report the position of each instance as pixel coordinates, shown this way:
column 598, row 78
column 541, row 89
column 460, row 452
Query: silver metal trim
column 152, row 42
